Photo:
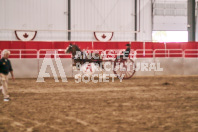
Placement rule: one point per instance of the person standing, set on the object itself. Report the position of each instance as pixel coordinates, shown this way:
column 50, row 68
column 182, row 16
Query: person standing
column 5, row 68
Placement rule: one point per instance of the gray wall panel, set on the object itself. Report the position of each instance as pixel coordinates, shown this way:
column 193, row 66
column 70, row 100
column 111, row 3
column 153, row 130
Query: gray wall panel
column 171, row 66
column 29, row 68
column 191, row 66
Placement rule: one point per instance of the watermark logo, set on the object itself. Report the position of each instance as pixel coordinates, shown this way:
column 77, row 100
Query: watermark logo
column 94, row 72
column 49, row 62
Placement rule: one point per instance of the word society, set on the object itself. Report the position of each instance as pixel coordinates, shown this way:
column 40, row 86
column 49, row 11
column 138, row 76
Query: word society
column 95, row 78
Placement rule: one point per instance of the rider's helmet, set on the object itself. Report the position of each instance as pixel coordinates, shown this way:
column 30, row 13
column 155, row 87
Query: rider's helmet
column 128, row 45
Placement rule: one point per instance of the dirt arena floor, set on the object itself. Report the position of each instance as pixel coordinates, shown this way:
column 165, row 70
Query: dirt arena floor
column 139, row 104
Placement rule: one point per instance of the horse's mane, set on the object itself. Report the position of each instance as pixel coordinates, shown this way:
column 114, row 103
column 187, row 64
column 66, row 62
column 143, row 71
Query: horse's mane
column 77, row 48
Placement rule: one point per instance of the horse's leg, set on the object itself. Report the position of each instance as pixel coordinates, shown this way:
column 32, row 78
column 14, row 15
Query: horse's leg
column 102, row 70
column 74, row 64
column 78, row 65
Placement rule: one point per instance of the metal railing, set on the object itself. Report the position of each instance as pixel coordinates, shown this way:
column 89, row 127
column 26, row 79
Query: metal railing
column 144, row 52
column 139, row 53
column 52, row 53
column 194, row 54
column 167, row 52
column 22, row 53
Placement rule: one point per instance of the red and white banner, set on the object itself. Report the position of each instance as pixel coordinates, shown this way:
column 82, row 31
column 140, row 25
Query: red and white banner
column 103, row 36
column 25, row 35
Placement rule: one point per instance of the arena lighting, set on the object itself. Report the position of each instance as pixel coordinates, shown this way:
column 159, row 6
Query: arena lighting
column 170, row 36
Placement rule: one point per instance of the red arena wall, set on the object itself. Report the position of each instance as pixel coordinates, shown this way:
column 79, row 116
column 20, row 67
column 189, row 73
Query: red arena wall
column 143, row 49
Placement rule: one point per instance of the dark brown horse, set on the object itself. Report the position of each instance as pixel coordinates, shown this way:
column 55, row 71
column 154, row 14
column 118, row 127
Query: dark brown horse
column 80, row 57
